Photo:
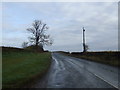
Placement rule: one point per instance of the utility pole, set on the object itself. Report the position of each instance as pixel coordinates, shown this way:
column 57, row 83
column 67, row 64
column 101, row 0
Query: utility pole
column 84, row 48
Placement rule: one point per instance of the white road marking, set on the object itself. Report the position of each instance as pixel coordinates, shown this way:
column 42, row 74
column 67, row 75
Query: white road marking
column 55, row 60
column 96, row 75
column 105, row 80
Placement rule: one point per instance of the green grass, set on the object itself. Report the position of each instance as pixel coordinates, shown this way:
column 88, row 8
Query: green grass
column 19, row 68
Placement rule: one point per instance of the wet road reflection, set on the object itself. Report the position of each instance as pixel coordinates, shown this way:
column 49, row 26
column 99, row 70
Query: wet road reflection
column 70, row 72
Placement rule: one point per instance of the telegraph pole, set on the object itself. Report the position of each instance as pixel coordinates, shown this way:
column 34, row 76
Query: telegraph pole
column 84, row 48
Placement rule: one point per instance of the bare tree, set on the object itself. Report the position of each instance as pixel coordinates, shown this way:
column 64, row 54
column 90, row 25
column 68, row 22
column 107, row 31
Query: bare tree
column 38, row 37
column 24, row 44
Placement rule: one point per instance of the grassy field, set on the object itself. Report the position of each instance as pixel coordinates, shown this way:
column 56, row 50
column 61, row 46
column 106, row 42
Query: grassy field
column 20, row 67
column 110, row 58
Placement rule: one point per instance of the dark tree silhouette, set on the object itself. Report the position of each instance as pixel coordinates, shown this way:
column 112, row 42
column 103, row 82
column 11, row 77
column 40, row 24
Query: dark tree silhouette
column 38, row 37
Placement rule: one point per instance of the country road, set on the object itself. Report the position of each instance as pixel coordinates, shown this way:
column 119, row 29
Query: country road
column 70, row 72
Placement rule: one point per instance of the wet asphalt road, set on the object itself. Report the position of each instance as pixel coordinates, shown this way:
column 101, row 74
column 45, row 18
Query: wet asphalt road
column 70, row 72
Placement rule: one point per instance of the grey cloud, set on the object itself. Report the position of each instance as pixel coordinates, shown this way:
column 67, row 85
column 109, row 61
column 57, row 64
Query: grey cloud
column 67, row 19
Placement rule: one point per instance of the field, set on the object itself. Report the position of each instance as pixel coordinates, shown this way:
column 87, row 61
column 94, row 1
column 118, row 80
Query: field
column 110, row 58
column 20, row 67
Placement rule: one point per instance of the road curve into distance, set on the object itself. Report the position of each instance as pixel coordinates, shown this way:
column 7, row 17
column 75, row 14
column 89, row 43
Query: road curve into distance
column 70, row 72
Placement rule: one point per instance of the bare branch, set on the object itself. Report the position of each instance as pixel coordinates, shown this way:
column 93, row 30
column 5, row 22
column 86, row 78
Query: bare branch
column 24, row 44
column 31, row 30
column 39, row 37
column 37, row 24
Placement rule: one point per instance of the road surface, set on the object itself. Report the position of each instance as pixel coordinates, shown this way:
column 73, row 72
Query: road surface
column 70, row 72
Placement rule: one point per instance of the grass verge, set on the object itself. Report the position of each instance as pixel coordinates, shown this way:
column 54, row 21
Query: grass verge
column 109, row 58
column 19, row 68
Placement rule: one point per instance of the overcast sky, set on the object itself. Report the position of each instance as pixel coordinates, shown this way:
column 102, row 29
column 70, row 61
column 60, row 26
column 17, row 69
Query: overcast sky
column 65, row 21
